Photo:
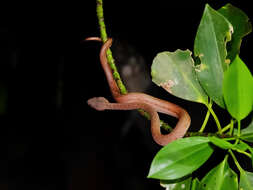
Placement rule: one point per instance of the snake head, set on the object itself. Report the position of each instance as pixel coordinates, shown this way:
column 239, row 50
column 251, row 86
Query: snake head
column 98, row 103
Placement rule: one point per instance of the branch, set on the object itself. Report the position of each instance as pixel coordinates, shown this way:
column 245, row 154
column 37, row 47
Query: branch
column 116, row 75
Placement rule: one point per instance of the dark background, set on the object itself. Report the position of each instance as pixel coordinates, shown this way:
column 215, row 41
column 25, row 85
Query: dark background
column 50, row 139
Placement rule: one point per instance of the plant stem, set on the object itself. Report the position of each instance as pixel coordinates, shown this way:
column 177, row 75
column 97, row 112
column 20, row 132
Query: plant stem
column 103, row 34
column 205, row 122
column 203, row 134
column 230, row 139
column 111, row 62
column 235, row 160
column 239, row 127
column 226, row 128
column 238, row 132
column 243, row 152
column 209, row 106
column 231, row 127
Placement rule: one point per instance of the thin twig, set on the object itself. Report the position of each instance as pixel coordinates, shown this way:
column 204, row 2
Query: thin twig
column 116, row 75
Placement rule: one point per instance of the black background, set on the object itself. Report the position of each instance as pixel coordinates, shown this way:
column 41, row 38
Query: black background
column 50, row 139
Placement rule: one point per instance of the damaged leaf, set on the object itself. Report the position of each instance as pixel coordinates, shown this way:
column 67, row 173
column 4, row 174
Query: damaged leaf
column 210, row 47
column 175, row 72
column 219, row 178
column 241, row 25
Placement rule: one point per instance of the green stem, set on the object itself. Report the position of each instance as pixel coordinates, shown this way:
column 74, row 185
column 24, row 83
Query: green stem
column 116, row 75
column 226, row 128
column 205, row 122
column 203, row 134
column 235, row 160
column 166, row 126
column 230, row 138
column 239, row 132
column 231, row 127
column 243, row 152
column 209, row 106
column 239, row 128
column 103, row 34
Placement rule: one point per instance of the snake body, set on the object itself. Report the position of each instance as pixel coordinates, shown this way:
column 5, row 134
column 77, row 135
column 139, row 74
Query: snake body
column 143, row 101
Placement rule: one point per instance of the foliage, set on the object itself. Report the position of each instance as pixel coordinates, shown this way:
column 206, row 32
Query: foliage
column 214, row 73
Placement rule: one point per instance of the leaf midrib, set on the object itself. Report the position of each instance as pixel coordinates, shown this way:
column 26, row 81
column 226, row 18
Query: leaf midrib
column 191, row 153
column 215, row 37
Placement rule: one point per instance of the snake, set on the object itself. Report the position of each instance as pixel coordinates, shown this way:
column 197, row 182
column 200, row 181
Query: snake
column 136, row 100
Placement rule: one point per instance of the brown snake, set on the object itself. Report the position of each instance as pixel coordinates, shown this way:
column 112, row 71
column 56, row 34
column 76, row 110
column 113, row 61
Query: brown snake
column 143, row 101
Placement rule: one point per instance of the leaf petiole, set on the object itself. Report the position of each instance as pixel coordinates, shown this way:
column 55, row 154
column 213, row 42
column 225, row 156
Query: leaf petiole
column 239, row 128
column 232, row 127
column 238, row 132
column 226, row 128
column 235, row 160
column 229, row 126
column 205, row 122
column 243, row 152
column 209, row 106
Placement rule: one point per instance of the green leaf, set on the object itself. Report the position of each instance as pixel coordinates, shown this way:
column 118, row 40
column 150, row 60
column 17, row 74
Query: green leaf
column 221, row 143
column 247, row 137
column 240, row 146
column 246, row 180
column 238, row 89
column 210, row 47
column 175, row 72
column 247, row 133
column 195, row 184
column 220, row 178
column 180, row 158
column 184, row 184
column 248, row 129
column 241, row 25
column 243, row 147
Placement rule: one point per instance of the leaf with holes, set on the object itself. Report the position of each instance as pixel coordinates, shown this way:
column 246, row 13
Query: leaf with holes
column 175, row 72
column 241, row 25
column 219, row 178
column 213, row 33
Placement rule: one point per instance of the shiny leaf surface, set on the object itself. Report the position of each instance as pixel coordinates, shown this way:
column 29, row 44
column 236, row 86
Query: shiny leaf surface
column 220, row 178
column 180, row 158
column 221, row 143
column 238, row 89
column 210, row 47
